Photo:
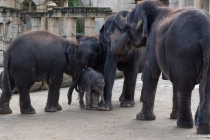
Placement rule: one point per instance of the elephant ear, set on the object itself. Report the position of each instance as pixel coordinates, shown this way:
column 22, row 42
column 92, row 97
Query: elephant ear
column 70, row 53
column 102, row 36
column 75, row 54
column 145, row 25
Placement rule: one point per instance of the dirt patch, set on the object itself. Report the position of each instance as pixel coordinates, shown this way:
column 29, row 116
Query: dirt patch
column 77, row 124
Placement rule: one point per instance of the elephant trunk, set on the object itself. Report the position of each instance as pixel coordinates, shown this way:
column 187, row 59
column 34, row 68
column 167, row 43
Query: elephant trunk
column 119, row 46
column 121, row 20
column 74, row 83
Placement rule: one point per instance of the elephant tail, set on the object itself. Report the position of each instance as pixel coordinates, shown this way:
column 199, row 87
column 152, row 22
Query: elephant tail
column 77, row 88
column 199, row 117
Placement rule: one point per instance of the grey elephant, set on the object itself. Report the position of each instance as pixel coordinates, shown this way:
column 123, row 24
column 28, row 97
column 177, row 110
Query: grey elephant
column 131, row 62
column 92, row 83
column 178, row 45
column 39, row 56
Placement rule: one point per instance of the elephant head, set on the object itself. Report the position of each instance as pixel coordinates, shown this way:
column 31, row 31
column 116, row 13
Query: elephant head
column 92, row 50
column 75, row 57
column 137, row 23
column 110, row 34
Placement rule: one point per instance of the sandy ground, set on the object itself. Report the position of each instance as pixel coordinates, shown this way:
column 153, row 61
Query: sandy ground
column 74, row 123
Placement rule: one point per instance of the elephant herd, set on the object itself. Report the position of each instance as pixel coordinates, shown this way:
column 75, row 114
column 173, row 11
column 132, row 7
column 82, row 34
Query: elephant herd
column 152, row 39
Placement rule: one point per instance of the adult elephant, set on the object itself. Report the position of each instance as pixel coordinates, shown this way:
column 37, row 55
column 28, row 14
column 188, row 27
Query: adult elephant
column 39, row 56
column 178, row 45
column 130, row 62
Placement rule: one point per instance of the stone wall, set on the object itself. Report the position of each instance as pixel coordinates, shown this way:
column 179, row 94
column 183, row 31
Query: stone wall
column 115, row 5
column 199, row 4
column 61, row 21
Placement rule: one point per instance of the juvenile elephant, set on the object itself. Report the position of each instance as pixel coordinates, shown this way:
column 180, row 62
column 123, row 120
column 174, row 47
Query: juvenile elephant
column 178, row 45
column 39, row 56
column 131, row 63
column 93, row 84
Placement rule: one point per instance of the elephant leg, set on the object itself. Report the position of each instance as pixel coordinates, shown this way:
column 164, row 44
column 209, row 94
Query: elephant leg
column 52, row 104
column 109, row 77
column 174, row 113
column 88, row 100
column 148, row 90
column 129, row 88
column 25, row 101
column 95, row 99
column 130, row 82
column 121, row 98
column 203, row 121
column 81, row 99
column 24, row 81
column 185, row 116
column 6, row 95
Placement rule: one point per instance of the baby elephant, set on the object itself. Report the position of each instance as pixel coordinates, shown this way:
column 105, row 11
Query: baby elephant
column 93, row 84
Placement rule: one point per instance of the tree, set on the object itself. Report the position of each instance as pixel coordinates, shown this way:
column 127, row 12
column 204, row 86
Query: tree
column 72, row 3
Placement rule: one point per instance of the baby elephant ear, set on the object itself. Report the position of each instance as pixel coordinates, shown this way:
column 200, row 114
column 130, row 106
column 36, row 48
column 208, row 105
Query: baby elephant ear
column 75, row 54
column 145, row 26
column 70, row 52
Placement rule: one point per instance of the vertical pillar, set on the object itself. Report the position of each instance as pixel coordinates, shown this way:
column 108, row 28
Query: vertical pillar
column 182, row 3
column 17, row 27
column 52, row 25
column 35, row 23
column 1, row 50
column 197, row 4
column 6, row 3
column 71, row 29
column 62, row 26
column 89, row 26
column 43, row 23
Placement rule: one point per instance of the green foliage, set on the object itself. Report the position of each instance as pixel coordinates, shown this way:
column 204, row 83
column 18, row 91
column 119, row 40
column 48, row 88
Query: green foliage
column 72, row 3
column 80, row 21
column 80, row 25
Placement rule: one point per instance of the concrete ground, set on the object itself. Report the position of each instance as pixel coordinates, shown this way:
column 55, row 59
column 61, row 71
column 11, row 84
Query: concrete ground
column 74, row 123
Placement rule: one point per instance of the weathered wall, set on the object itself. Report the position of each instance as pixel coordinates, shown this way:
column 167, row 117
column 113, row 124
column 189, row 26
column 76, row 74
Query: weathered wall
column 202, row 4
column 115, row 5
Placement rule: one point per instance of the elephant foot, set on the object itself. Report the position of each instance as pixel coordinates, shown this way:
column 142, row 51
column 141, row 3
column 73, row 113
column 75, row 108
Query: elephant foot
column 89, row 108
column 202, row 123
column 145, row 115
column 5, row 110
column 29, row 110
column 174, row 115
column 204, row 128
column 94, row 105
column 58, row 107
column 105, row 107
column 82, row 105
column 183, row 123
column 127, row 104
column 52, row 108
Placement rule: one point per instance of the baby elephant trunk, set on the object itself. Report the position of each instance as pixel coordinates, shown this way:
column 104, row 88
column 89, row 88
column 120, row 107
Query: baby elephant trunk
column 120, row 46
